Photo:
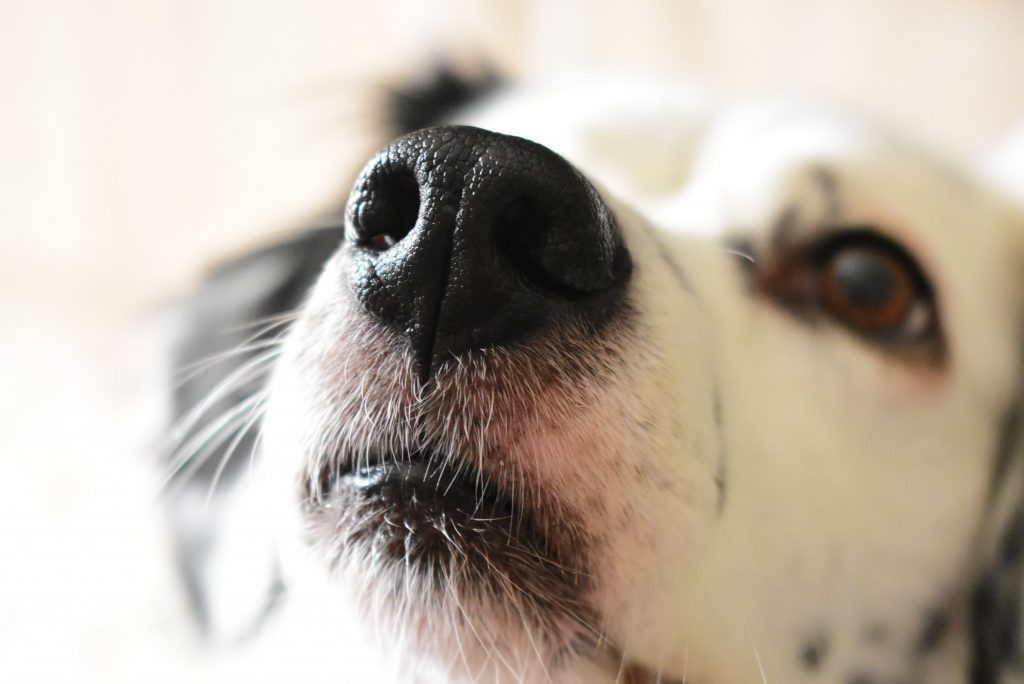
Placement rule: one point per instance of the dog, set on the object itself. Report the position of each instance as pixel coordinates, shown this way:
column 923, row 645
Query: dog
column 607, row 381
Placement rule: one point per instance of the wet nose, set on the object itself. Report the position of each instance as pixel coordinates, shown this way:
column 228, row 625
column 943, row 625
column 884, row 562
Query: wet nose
column 464, row 239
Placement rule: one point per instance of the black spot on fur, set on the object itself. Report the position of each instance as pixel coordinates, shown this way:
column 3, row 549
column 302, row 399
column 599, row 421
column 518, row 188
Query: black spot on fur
column 431, row 100
column 936, row 624
column 814, row 651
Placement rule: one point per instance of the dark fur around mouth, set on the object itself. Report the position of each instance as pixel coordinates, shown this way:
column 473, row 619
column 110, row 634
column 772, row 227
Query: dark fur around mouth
column 420, row 510
column 416, row 518
column 412, row 508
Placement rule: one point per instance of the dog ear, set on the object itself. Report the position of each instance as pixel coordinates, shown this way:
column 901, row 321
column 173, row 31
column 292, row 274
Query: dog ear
column 222, row 349
column 436, row 95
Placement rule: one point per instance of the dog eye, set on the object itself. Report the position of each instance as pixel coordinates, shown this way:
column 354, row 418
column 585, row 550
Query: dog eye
column 868, row 288
column 862, row 280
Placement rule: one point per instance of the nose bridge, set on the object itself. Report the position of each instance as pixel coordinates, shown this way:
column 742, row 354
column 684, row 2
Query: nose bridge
column 443, row 164
column 464, row 239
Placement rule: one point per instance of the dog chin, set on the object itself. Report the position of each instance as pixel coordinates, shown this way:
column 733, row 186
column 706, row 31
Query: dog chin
column 441, row 507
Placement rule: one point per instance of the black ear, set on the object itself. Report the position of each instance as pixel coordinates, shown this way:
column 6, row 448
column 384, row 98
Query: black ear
column 222, row 354
column 436, row 96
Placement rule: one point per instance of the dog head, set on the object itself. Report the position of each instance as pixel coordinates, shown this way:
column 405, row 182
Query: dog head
column 613, row 384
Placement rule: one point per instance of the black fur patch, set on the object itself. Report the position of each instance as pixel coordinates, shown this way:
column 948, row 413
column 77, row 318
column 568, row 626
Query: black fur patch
column 996, row 611
column 221, row 330
column 995, row 608
column 431, row 100
column 226, row 312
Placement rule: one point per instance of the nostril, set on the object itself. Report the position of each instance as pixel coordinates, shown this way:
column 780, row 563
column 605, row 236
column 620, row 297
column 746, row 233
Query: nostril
column 521, row 234
column 385, row 207
column 541, row 240
column 382, row 241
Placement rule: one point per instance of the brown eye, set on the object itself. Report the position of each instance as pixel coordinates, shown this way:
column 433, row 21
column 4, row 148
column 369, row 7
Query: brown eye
column 861, row 279
column 868, row 288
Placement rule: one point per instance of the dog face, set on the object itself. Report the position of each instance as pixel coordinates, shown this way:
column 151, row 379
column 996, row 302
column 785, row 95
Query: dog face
column 732, row 393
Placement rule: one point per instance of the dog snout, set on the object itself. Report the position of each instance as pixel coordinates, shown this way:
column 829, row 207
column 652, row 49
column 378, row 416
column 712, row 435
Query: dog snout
column 466, row 239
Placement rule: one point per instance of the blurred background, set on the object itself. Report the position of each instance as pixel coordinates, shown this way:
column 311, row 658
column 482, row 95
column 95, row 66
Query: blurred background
column 142, row 139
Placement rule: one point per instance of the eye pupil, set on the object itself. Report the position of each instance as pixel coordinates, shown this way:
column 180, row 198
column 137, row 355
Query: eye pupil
column 865, row 278
column 868, row 288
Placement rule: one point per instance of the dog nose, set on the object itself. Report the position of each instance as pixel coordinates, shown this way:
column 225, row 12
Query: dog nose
column 462, row 238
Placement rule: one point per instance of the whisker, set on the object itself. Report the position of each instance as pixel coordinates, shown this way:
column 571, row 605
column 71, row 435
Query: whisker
column 267, row 325
column 197, row 368
column 757, row 656
column 622, row 667
column 740, row 253
column 268, row 322
column 244, row 373
column 191, row 455
column 254, row 415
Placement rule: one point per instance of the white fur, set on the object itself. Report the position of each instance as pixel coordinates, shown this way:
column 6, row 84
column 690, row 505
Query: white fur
column 855, row 483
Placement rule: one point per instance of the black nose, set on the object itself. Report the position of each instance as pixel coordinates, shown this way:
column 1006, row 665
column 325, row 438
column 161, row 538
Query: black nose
column 463, row 239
